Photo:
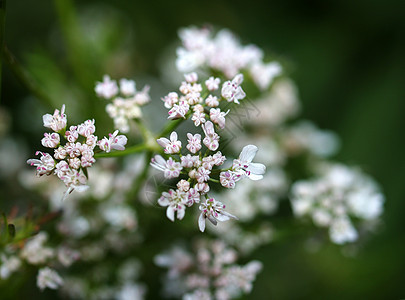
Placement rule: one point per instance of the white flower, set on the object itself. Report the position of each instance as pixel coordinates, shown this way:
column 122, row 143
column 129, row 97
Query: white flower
column 212, row 101
column 51, row 140
column 57, row 121
column 44, row 165
column 212, row 83
column 342, row 231
column 114, row 141
column 211, row 139
column 107, row 88
column 191, row 77
column 217, row 116
column 213, row 211
column 127, row 87
column 8, row 266
column 48, row 278
column 171, row 168
column 194, row 142
column 171, row 99
column 244, row 165
column 34, row 250
column 198, row 118
column 87, row 128
column 232, row 91
column 179, row 110
column 263, row 74
column 175, row 202
column 171, row 146
column 228, row 179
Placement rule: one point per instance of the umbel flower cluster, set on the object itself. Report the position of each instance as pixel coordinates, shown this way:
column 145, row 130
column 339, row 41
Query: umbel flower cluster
column 196, row 166
column 73, row 150
column 126, row 100
column 336, row 195
column 210, row 272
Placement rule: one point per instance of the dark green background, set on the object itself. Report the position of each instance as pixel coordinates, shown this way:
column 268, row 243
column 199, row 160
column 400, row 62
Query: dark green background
column 348, row 61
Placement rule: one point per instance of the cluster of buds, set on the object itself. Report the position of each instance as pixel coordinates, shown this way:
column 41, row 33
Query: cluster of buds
column 209, row 273
column 126, row 100
column 336, row 195
column 223, row 52
column 71, row 159
column 198, row 100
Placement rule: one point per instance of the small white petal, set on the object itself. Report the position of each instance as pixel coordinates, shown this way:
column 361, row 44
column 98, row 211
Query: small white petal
column 170, row 213
column 257, row 168
column 201, row 222
column 248, row 153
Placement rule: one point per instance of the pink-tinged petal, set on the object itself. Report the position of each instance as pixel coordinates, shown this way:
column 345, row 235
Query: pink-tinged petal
column 170, row 213
column 180, row 213
column 163, row 201
column 163, row 142
column 256, row 168
column 160, row 160
column 238, row 79
column 201, row 222
column 173, row 136
column 117, row 147
column 248, row 153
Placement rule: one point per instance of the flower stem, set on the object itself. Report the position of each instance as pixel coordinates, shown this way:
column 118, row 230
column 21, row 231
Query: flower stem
column 25, row 77
column 129, row 150
column 2, row 27
column 172, row 125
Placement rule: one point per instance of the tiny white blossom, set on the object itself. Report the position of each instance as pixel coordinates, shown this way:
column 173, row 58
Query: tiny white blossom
column 48, row 278
column 232, row 91
column 175, row 202
column 194, row 142
column 51, row 140
column 127, row 87
column 107, row 88
column 45, row 164
column 170, row 146
column 191, row 77
column 244, row 165
column 171, row 99
column 57, row 121
column 217, row 116
column 212, row 101
column 211, row 139
column 213, row 211
column 212, row 83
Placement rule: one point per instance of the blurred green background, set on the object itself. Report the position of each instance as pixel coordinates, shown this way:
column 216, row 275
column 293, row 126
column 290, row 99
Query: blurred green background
column 347, row 59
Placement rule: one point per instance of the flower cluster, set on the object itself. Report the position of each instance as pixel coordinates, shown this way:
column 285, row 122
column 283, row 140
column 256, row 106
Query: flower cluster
column 126, row 100
column 208, row 273
column 223, row 52
column 35, row 252
column 70, row 160
column 338, row 194
column 199, row 169
column 201, row 108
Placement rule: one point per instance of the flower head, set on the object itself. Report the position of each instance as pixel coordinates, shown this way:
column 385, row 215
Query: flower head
column 244, row 165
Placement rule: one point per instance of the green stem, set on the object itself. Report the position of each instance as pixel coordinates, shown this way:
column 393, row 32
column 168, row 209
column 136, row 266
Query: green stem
column 25, row 77
column 75, row 42
column 2, row 39
column 172, row 125
column 142, row 177
column 130, row 150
